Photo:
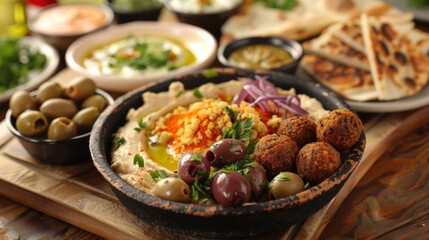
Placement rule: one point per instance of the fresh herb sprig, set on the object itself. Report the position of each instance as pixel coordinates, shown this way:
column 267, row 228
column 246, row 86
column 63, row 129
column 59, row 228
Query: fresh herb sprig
column 158, row 175
column 240, row 129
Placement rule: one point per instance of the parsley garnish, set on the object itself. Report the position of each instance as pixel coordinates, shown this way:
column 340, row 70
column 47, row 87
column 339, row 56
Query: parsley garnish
column 138, row 160
column 240, row 129
column 280, row 4
column 117, row 142
column 200, row 190
column 196, row 157
column 209, row 73
column 197, row 93
column 158, row 174
column 141, row 125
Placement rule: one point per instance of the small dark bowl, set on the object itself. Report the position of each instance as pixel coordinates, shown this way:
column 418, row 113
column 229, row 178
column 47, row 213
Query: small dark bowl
column 55, row 152
column 212, row 22
column 178, row 219
column 122, row 16
column 62, row 41
column 293, row 47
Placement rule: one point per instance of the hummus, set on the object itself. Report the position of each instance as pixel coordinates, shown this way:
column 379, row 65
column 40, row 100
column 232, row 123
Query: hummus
column 178, row 121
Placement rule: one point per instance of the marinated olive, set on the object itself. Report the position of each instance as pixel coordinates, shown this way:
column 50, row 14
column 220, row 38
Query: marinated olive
column 257, row 179
column 85, row 118
column 62, row 128
column 285, row 184
column 58, row 107
column 191, row 166
column 230, row 188
column 225, row 152
column 174, row 189
column 21, row 101
column 80, row 88
column 32, row 123
column 49, row 90
column 97, row 101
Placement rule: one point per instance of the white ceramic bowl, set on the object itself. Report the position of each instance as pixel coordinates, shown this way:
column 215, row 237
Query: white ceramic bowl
column 197, row 40
column 37, row 78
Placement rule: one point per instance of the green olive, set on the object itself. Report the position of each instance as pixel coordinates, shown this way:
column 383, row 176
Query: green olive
column 85, row 118
column 62, row 128
column 58, row 107
column 95, row 100
column 174, row 189
column 21, row 101
column 49, row 90
column 80, row 88
column 285, row 184
column 32, row 123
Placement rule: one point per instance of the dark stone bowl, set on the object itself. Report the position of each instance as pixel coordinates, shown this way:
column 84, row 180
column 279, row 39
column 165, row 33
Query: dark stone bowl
column 179, row 219
column 291, row 46
column 55, row 152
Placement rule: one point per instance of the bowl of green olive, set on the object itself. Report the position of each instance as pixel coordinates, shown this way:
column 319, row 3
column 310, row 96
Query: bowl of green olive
column 54, row 122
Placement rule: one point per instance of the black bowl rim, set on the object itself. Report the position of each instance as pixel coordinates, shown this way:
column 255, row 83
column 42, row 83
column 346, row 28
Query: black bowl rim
column 104, row 7
column 131, row 192
column 14, row 131
column 209, row 14
column 226, row 49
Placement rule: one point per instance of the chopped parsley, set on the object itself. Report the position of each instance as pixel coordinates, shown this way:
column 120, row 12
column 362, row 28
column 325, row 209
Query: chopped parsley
column 209, row 73
column 279, row 4
column 141, row 125
column 196, row 157
column 200, row 190
column 117, row 142
column 158, row 175
column 240, row 129
column 138, row 160
column 197, row 93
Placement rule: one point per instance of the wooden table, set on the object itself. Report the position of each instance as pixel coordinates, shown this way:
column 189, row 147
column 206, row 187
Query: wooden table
column 389, row 201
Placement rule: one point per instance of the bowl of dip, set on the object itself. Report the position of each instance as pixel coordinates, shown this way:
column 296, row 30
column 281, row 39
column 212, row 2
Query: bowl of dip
column 262, row 53
column 209, row 14
column 127, row 56
column 125, row 158
column 60, row 25
column 136, row 10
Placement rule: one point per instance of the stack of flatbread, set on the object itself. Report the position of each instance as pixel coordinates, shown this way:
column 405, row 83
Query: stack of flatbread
column 308, row 18
column 371, row 57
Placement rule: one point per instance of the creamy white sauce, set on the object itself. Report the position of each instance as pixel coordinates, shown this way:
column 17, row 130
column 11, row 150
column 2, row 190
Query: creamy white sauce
column 196, row 6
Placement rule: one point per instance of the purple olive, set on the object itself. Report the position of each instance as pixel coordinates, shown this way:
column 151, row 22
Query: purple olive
column 257, row 179
column 191, row 166
column 230, row 188
column 225, row 152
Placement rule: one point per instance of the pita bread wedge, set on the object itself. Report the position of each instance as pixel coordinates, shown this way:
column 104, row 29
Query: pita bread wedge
column 352, row 83
column 331, row 47
column 394, row 60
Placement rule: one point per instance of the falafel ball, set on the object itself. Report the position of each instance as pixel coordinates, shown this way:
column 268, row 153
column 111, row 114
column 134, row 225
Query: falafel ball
column 301, row 129
column 276, row 153
column 341, row 128
column 317, row 161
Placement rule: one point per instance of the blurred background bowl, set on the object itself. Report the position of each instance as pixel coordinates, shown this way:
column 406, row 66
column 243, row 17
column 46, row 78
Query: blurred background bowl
column 198, row 41
column 175, row 219
column 61, row 24
column 55, row 152
column 209, row 19
column 257, row 56
column 138, row 10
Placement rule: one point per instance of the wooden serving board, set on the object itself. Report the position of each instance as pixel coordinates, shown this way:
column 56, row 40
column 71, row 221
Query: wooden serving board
column 77, row 194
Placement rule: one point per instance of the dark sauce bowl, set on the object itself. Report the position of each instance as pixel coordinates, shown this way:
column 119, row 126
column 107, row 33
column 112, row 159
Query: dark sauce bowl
column 293, row 47
column 125, row 16
column 55, row 152
column 176, row 220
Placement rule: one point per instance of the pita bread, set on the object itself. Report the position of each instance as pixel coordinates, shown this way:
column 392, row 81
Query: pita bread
column 331, row 47
column 352, row 83
column 305, row 20
column 394, row 60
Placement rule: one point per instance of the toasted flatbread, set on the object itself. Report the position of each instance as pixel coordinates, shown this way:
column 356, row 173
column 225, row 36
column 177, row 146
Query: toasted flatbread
column 394, row 60
column 305, row 20
column 352, row 83
column 331, row 47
